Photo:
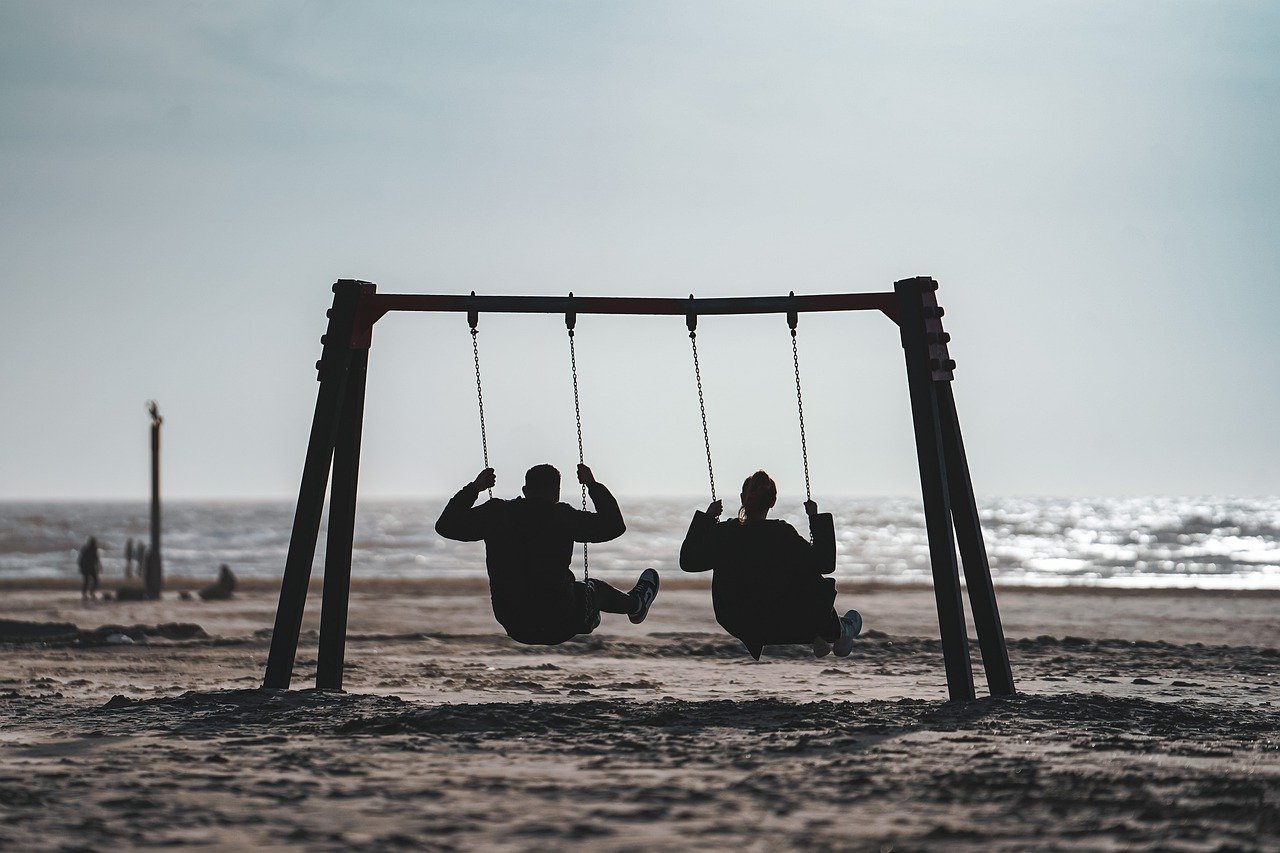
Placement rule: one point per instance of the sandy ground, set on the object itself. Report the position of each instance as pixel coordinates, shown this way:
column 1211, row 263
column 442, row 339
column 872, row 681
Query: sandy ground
column 1143, row 720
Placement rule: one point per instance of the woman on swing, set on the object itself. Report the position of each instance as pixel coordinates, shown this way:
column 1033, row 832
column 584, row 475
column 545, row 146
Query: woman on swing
column 768, row 586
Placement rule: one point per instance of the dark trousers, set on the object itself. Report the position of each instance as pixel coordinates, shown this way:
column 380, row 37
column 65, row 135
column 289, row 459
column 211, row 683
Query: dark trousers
column 830, row 630
column 589, row 600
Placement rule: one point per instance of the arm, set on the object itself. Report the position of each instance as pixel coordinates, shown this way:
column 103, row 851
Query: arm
column 695, row 551
column 822, row 552
column 820, row 556
column 461, row 520
column 602, row 525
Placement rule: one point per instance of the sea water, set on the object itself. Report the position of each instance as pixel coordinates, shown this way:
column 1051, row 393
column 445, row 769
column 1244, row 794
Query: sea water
column 1170, row 542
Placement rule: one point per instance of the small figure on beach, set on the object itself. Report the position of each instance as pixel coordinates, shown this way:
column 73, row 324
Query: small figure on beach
column 128, row 557
column 768, row 585
column 90, row 568
column 528, row 548
column 221, row 589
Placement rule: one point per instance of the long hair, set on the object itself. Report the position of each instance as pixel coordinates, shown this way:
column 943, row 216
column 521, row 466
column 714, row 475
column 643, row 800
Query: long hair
column 759, row 492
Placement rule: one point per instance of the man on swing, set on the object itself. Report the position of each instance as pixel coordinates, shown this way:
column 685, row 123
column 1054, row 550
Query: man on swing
column 528, row 548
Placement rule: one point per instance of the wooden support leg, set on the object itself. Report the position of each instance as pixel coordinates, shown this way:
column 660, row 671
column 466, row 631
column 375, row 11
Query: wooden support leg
column 342, row 525
column 333, row 365
column 973, row 552
column 933, row 485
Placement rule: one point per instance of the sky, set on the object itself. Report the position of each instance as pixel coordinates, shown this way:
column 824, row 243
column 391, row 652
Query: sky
column 1095, row 186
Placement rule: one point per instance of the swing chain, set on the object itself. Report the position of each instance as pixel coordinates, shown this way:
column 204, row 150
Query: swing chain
column 570, row 320
column 792, row 321
column 473, row 318
column 691, row 320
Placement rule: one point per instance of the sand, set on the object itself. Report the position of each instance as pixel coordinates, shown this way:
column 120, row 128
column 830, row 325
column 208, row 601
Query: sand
column 1144, row 720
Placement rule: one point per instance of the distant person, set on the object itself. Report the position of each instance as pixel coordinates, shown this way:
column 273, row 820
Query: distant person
column 221, row 589
column 768, row 586
column 90, row 568
column 128, row 557
column 528, row 548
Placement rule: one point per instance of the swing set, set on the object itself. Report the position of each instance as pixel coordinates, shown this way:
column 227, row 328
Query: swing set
column 951, row 515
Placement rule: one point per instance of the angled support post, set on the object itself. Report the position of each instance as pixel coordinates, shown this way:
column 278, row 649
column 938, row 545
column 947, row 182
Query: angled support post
column 342, row 528
column 335, row 361
column 973, row 552
column 918, row 318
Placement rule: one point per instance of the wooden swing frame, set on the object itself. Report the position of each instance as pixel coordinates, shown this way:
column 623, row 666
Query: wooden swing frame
column 951, row 513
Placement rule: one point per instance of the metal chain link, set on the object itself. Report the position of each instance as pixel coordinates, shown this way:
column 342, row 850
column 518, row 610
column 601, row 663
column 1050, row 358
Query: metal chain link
column 804, row 447
column 577, row 415
column 702, row 408
column 484, row 438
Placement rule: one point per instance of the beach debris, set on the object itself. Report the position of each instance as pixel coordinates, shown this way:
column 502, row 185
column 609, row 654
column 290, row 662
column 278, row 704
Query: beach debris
column 64, row 633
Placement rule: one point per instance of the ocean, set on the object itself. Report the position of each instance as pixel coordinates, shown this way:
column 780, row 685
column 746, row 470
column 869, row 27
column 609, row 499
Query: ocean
column 1152, row 542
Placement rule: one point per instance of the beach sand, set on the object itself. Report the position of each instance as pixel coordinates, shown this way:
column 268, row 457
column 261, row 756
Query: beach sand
column 1144, row 719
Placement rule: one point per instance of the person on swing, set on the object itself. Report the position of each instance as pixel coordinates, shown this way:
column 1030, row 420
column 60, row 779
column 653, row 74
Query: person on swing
column 768, row 585
column 528, row 547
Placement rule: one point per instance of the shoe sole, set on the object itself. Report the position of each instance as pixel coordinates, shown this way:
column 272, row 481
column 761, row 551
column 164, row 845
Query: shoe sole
column 839, row 647
column 636, row 620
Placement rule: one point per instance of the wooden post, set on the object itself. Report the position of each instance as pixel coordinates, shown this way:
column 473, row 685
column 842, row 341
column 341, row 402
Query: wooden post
column 973, row 552
column 334, row 363
column 914, row 296
column 153, row 570
column 342, row 524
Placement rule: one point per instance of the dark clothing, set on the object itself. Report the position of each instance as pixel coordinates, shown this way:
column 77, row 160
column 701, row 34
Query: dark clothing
column 768, row 587
column 90, row 568
column 221, row 589
column 90, row 560
column 528, row 548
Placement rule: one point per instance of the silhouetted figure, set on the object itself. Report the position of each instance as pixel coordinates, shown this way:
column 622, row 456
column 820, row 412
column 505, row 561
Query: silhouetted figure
column 768, row 586
column 221, row 589
column 90, row 568
column 128, row 557
column 528, row 548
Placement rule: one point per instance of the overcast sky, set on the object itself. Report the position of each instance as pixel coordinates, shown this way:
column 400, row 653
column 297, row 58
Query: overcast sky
column 1096, row 187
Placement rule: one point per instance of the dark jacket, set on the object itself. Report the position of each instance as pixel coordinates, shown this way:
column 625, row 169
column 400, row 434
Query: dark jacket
column 90, row 562
column 768, row 587
column 528, row 548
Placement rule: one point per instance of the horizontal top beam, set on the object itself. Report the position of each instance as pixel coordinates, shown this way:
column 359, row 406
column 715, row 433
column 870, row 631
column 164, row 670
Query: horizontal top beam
column 374, row 305
column 657, row 305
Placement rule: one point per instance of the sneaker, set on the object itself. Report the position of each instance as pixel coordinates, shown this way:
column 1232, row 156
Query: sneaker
column 821, row 648
column 646, row 590
column 850, row 627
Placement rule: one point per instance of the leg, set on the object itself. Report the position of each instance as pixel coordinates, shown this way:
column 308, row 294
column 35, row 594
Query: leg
column 933, row 486
column 973, row 552
column 829, row 628
column 342, row 523
column 612, row 600
column 334, row 364
column 635, row 603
